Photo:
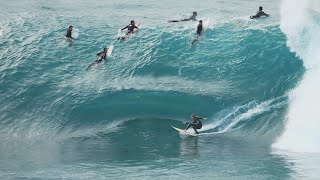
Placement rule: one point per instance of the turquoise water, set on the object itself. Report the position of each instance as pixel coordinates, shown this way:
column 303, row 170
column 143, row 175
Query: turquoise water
column 255, row 80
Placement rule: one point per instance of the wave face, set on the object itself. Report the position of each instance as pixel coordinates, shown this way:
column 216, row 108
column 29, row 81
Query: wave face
column 60, row 118
column 301, row 27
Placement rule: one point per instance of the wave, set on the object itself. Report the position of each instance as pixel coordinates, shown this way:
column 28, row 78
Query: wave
column 301, row 27
column 235, row 71
column 241, row 116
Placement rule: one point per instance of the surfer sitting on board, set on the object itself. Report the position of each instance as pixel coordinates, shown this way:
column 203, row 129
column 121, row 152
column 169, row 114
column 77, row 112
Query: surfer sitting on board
column 198, row 33
column 196, row 124
column 192, row 18
column 199, row 28
column 101, row 57
column 130, row 27
column 259, row 14
column 69, row 32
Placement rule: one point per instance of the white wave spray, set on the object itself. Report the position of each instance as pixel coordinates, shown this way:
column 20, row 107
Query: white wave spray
column 300, row 21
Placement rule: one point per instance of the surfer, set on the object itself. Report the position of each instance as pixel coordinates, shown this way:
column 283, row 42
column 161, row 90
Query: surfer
column 130, row 28
column 198, row 33
column 101, row 57
column 69, row 32
column 192, row 18
column 199, row 28
column 259, row 14
column 196, row 124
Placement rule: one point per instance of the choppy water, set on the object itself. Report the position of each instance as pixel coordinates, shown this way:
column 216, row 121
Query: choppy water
column 256, row 81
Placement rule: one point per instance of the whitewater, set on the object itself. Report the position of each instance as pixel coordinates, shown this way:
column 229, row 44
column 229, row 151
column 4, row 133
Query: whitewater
column 255, row 80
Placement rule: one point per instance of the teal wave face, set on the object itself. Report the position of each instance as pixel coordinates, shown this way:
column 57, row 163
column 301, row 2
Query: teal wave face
column 57, row 115
column 158, row 77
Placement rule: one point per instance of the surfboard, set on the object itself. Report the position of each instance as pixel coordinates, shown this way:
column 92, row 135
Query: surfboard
column 206, row 24
column 184, row 132
column 110, row 50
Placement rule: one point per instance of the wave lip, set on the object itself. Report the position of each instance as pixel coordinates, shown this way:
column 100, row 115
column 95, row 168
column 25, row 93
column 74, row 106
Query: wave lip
column 302, row 27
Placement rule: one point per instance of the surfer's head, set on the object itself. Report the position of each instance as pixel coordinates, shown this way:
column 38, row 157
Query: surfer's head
column 200, row 22
column 70, row 27
column 260, row 8
column 132, row 22
column 105, row 49
column 195, row 13
column 193, row 116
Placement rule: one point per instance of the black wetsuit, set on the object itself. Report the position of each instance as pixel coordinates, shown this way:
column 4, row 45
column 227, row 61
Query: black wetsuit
column 130, row 27
column 69, row 33
column 103, row 56
column 196, row 124
column 199, row 29
column 259, row 14
column 192, row 18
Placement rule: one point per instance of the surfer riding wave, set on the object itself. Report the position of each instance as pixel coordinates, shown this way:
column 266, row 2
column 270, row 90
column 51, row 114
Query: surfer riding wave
column 196, row 123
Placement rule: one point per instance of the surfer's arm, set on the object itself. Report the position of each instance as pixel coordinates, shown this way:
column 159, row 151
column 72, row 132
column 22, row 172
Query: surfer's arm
column 256, row 16
column 253, row 17
column 201, row 118
column 266, row 14
column 173, row 21
column 124, row 28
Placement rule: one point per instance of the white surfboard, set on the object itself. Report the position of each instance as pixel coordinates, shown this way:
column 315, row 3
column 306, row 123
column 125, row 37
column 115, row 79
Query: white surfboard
column 110, row 50
column 181, row 131
column 206, row 25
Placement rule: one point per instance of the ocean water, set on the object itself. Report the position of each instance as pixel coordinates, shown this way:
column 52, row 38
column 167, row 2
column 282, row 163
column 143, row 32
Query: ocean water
column 257, row 81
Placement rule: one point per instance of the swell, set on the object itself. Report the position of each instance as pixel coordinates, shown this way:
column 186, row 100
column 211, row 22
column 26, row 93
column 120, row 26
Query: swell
column 47, row 92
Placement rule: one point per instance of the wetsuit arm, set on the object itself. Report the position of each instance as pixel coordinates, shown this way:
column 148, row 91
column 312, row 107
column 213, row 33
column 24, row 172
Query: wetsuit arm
column 253, row 17
column 135, row 26
column 124, row 28
column 201, row 118
column 173, row 21
column 266, row 14
column 192, row 18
